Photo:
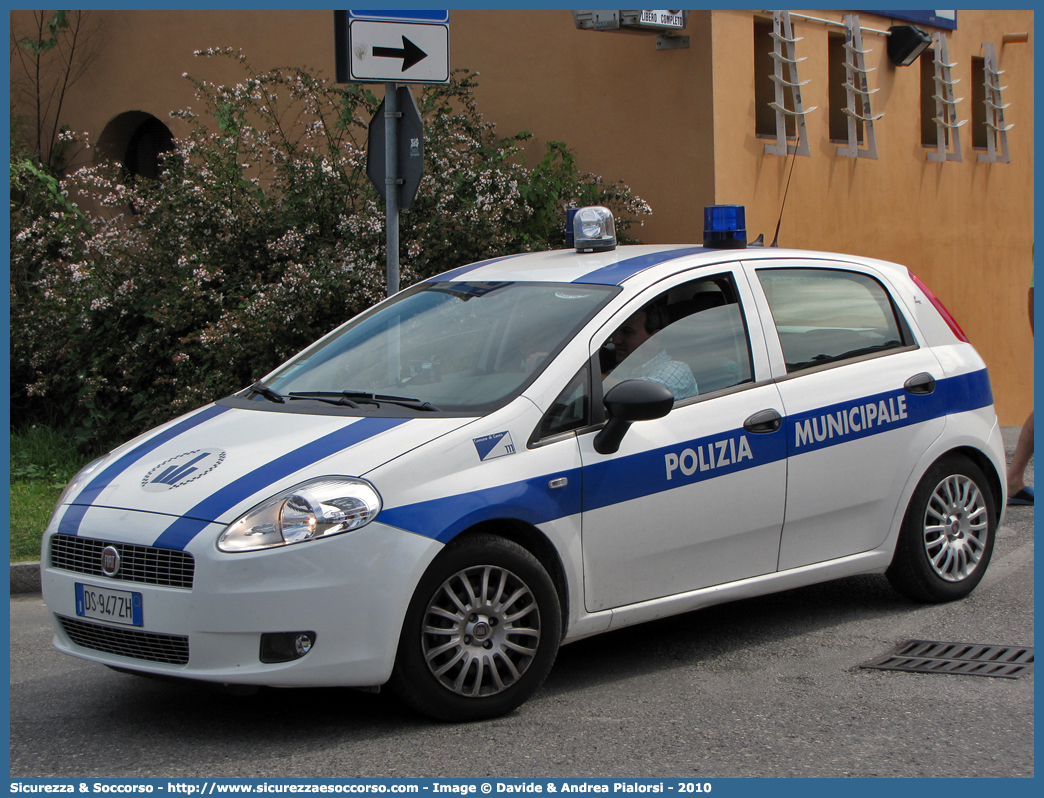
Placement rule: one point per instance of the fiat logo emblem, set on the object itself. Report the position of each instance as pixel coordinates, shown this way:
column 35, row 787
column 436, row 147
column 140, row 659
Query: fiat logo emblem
column 110, row 561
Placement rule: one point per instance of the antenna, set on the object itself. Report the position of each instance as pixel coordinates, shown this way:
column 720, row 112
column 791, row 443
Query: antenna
column 775, row 238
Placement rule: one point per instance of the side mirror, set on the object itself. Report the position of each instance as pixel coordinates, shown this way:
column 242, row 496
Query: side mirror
column 630, row 401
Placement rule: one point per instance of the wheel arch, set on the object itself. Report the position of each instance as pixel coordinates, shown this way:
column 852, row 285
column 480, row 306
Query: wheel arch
column 913, row 570
column 536, row 543
column 976, row 456
column 987, row 467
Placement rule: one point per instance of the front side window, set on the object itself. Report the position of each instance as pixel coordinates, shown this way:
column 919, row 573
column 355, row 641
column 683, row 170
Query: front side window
column 826, row 316
column 691, row 339
column 457, row 346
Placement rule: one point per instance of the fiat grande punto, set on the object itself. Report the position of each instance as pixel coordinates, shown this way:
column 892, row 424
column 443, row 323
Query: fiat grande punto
column 531, row 450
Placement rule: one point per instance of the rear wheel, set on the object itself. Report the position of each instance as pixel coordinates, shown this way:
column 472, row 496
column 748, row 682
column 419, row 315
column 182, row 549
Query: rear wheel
column 481, row 632
column 947, row 535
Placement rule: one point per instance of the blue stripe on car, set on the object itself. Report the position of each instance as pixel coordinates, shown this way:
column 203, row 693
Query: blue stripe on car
column 606, row 275
column 869, row 415
column 623, row 479
column 965, row 392
column 529, row 500
column 70, row 523
column 455, row 274
column 620, row 271
column 184, row 529
column 617, row 480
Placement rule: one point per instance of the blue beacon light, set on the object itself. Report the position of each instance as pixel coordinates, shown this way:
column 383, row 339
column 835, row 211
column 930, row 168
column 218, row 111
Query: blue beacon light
column 725, row 227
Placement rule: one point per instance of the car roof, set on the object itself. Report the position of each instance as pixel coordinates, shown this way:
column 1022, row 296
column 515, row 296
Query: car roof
column 623, row 263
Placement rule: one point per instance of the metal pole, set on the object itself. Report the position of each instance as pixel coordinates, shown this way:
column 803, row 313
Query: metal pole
column 391, row 180
column 391, row 208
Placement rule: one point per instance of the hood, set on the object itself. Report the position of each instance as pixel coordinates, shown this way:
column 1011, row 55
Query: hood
column 218, row 462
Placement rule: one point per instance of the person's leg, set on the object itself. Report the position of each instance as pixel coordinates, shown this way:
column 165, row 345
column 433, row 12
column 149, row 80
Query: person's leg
column 1020, row 458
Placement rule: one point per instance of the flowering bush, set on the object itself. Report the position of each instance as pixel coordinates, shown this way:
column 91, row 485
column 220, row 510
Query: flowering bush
column 134, row 300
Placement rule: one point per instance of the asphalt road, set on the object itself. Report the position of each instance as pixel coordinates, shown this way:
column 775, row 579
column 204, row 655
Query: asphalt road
column 763, row 687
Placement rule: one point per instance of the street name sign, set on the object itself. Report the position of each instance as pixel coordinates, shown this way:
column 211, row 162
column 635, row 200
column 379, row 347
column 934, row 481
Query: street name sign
column 672, row 20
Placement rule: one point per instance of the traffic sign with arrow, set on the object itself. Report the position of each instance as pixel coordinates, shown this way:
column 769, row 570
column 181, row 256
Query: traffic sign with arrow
column 392, row 47
column 410, row 53
column 404, row 52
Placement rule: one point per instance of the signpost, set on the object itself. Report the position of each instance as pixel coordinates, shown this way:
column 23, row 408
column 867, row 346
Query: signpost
column 389, row 47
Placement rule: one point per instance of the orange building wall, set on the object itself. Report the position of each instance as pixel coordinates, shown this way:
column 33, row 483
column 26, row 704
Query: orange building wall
column 631, row 112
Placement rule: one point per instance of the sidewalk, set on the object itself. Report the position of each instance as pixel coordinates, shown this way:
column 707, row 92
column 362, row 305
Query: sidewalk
column 25, row 576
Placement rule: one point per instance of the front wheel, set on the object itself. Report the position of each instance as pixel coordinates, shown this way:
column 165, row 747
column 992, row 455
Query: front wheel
column 481, row 632
column 947, row 535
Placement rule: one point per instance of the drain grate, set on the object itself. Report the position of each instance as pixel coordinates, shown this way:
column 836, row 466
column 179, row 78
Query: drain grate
column 965, row 659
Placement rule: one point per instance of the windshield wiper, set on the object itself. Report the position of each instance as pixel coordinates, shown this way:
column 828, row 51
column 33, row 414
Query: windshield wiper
column 330, row 397
column 268, row 393
column 355, row 398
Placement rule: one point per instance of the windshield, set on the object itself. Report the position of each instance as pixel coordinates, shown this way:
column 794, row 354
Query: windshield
column 457, row 346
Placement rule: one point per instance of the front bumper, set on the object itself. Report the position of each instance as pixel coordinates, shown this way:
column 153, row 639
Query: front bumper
column 351, row 590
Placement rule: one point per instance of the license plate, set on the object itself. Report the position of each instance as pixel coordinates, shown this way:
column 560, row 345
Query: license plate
column 114, row 606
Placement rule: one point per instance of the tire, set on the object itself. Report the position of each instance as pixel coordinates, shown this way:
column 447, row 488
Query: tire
column 481, row 632
column 946, row 540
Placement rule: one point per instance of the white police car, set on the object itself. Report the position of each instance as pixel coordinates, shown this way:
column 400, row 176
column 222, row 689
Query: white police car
column 531, row 450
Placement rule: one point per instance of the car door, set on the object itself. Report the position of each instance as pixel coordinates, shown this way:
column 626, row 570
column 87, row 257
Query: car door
column 855, row 385
column 695, row 498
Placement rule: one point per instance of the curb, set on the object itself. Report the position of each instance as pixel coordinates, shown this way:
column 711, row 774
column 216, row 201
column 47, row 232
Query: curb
column 25, row 578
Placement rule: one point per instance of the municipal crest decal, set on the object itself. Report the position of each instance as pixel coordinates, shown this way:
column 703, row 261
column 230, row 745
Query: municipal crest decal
column 181, row 470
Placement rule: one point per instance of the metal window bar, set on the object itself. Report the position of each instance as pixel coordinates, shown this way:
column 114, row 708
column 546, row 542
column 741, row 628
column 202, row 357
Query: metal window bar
column 835, row 22
column 783, row 39
column 996, row 130
column 856, row 86
column 945, row 106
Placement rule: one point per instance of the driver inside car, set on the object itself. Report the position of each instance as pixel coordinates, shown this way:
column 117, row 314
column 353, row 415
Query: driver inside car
column 652, row 362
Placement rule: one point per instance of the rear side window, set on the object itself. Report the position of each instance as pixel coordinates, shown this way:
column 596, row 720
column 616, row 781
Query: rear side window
column 828, row 316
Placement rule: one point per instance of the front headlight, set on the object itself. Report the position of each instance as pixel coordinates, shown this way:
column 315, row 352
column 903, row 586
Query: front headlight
column 314, row 509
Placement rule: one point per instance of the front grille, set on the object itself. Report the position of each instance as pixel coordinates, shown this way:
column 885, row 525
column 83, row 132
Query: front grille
column 172, row 649
column 146, row 564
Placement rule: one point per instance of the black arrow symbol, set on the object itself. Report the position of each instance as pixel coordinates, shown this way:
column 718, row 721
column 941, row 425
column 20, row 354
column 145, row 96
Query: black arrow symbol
column 410, row 53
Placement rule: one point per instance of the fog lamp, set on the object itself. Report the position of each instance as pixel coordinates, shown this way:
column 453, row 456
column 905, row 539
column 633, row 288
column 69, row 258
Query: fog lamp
column 286, row 646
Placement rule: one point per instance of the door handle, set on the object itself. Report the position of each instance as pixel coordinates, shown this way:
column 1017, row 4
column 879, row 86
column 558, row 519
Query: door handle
column 763, row 422
column 923, row 383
